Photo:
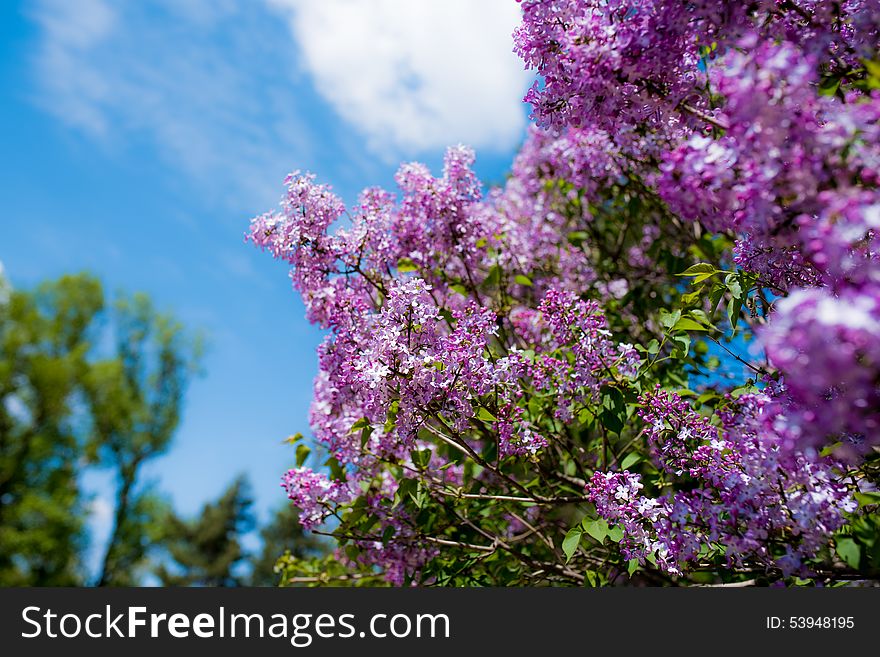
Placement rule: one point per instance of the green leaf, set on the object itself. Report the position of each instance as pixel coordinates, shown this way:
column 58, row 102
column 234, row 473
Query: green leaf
column 700, row 272
column 733, row 284
column 406, row 489
column 363, row 423
column 302, row 453
column 295, row 438
column 421, row 457
column 668, row 319
column 366, row 432
column 616, row 533
column 336, row 471
column 523, row 280
column 688, row 324
column 715, row 297
column 630, row 460
column 733, row 310
column 738, row 392
column 405, row 265
column 702, row 318
column 613, row 415
column 534, row 406
column 578, row 237
column 571, row 541
column 683, row 342
column 632, row 566
column 611, row 421
column 592, row 578
column 873, row 67
column 586, row 416
column 485, row 415
column 849, row 551
column 493, row 277
column 699, row 268
column 598, row 529
column 829, row 85
column 865, row 499
column 354, row 515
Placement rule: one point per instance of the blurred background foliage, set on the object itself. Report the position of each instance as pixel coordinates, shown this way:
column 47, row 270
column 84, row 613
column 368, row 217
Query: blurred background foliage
column 92, row 383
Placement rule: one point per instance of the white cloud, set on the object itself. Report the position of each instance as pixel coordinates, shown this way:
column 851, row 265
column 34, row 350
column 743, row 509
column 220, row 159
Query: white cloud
column 74, row 29
column 209, row 84
column 416, row 75
column 220, row 88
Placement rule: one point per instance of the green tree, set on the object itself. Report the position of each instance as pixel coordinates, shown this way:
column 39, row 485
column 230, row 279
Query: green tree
column 283, row 537
column 207, row 550
column 81, row 385
column 45, row 338
column 135, row 398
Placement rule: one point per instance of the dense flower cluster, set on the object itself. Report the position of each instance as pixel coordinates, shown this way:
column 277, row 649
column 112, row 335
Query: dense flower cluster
column 791, row 172
column 488, row 351
column 642, row 63
column 829, row 347
column 618, row 499
column 755, row 499
column 418, row 354
column 314, row 494
column 789, row 164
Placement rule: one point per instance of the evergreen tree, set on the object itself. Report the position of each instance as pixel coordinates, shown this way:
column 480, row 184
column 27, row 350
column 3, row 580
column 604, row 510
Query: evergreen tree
column 283, row 536
column 207, row 550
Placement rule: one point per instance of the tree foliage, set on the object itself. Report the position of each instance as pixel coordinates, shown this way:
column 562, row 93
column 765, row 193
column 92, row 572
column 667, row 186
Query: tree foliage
column 70, row 402
column 207, row 550
column 135, row 398
column 45, row 338
column 283, row 536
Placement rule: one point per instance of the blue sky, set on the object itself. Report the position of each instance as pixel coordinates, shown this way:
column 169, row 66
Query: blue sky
column 141, row 137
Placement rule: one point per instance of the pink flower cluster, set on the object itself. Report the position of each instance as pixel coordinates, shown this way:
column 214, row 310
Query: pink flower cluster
column 717, row 106
column 314, row 494
column 760, row 503
column 789, row 166
column 627, row 66
column 466, row 320
column 416, row 348
column 829, row 347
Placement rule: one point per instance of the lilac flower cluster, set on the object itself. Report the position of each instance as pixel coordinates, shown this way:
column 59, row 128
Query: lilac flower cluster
column 716, row 105
column 642, row 64
column 616, row 66
column 829, row 347
column 579, row 354
column 314, row 494
column 415, row 348
column 618, row 499
column 516, row 436
column 758, row 503
column 788, row 165
column 470, row 327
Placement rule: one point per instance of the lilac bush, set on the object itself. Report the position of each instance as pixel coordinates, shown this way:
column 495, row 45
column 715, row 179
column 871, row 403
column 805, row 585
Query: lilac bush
column 651, row 355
